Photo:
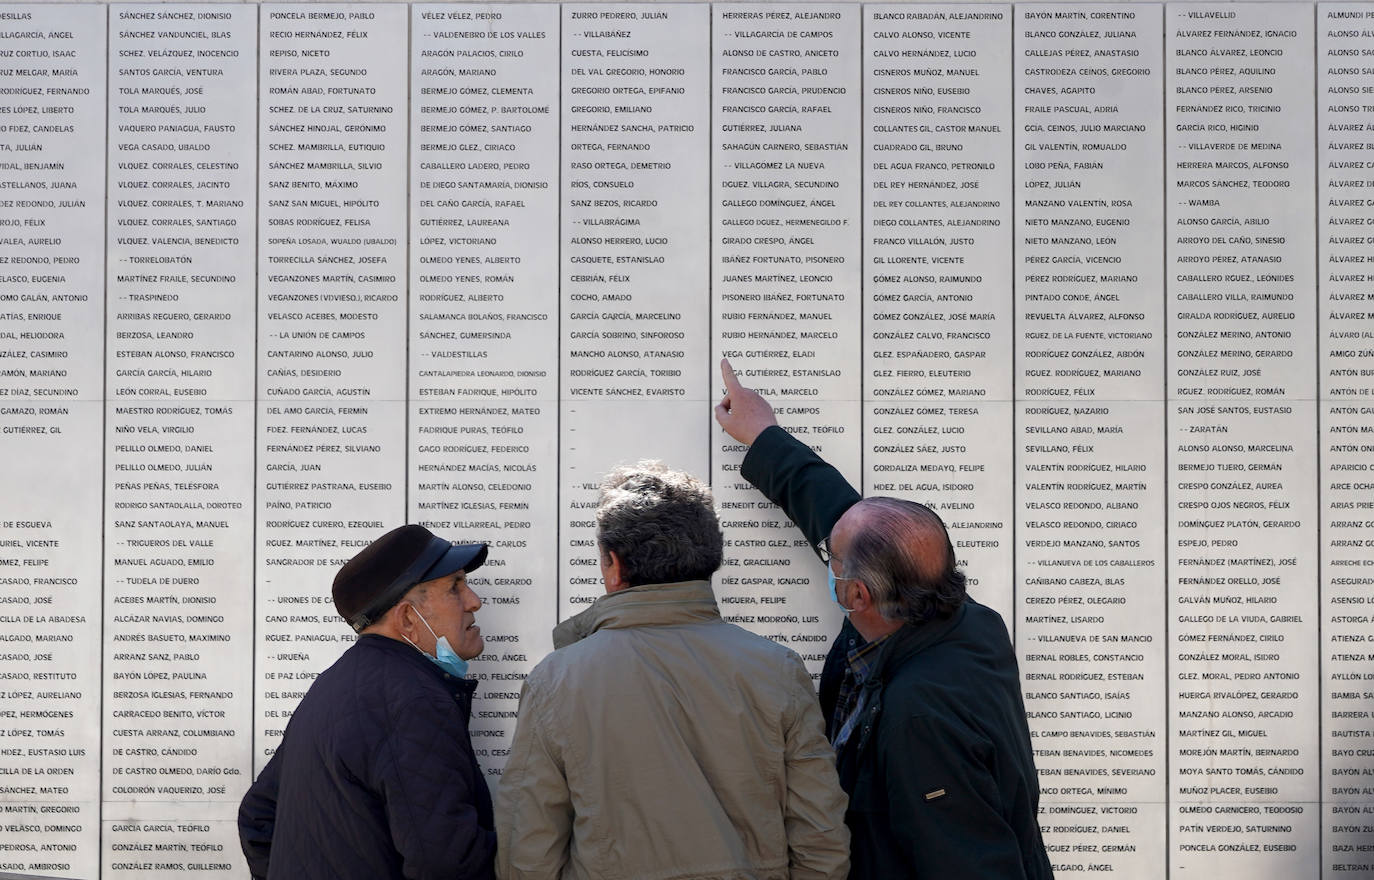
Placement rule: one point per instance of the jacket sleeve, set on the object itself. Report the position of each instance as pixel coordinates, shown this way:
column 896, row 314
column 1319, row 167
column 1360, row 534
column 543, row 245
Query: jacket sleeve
column 534, row 812
column 810, row 491
column 427, row 783
column 813, row 815
column 942, row 783
column 814, row 495
column 258, row 818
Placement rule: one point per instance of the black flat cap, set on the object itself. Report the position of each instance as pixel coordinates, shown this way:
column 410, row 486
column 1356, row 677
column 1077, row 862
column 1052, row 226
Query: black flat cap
column 385, row 570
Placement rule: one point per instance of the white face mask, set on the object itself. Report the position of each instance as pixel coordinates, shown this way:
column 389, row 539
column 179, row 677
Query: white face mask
column 444, row 655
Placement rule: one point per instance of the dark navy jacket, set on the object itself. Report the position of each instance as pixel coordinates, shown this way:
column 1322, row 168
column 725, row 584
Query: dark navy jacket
column 939, row 771
column 374, row 779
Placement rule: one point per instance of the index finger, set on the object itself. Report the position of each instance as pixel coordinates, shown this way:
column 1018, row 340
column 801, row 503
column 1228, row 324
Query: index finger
column 727, row 373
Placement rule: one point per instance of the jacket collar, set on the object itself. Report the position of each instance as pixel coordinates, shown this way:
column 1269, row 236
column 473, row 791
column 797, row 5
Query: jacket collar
column 645, row 605
column 899, row 647
column 423, row 665
column 912, row 639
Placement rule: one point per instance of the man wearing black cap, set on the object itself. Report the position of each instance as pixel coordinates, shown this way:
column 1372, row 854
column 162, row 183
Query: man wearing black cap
column 375, row 776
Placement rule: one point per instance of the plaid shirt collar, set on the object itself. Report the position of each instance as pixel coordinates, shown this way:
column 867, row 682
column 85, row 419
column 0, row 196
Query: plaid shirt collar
column 862, row 660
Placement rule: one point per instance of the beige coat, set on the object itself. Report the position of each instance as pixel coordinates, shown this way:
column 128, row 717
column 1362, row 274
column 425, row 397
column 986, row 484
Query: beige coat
column 661, row 743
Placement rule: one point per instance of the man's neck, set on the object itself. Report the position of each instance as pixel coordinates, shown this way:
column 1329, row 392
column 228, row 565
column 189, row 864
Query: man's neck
column 873, row 626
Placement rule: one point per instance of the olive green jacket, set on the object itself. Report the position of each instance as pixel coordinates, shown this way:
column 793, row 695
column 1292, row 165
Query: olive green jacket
column 661, row 742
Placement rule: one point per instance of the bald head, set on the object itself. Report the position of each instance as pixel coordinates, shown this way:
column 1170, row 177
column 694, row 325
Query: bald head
column 901, row 551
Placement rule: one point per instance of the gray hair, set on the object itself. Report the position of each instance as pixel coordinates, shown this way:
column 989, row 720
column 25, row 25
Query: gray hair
column 902, row 552
column 661, row 523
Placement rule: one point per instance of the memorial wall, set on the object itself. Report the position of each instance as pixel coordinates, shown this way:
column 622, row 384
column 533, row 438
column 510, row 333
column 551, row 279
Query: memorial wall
column 1092, row 280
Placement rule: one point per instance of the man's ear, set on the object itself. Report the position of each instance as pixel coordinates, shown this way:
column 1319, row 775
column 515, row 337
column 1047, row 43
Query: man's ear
column 860, row 599
column 612, row 571
column 403, row 620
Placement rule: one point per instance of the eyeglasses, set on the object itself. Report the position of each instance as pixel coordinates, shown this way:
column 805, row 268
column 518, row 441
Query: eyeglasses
column 823, row 550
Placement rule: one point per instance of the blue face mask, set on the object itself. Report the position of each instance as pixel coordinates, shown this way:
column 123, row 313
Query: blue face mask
column 444, row 654
column 830, row 576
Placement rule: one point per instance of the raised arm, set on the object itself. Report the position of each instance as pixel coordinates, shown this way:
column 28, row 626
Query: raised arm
column 810, row 491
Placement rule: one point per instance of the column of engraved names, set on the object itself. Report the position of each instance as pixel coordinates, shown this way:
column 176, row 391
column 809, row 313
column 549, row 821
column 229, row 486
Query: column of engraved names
column 1090, row 458
column 786, row 286
column 1239, row 165
column 52, row 78
column 1345, row 247
column 332, row 281
column 634, row 256
column 179, row 435
column 484, row 308
column 937, row 327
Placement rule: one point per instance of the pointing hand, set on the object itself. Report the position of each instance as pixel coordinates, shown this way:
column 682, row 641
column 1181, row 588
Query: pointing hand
column 741, row 412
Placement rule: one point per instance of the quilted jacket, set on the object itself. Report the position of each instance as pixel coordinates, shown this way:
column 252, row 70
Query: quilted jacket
column 374, row 778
